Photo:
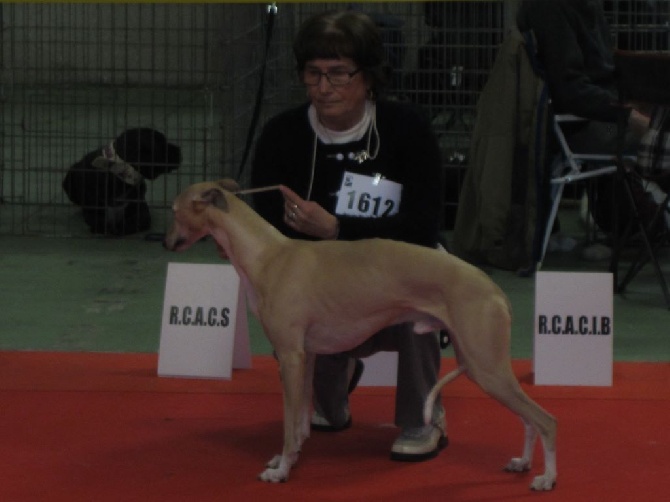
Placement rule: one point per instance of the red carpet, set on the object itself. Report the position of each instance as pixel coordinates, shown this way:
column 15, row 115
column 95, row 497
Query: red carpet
column 104, row 427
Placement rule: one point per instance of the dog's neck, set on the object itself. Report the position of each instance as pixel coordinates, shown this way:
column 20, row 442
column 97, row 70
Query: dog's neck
column 247, row 239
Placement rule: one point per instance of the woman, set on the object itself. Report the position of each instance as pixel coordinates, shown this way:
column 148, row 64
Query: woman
column 353, row 167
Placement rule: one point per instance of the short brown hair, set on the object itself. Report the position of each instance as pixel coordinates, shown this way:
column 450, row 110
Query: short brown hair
column 343, row 34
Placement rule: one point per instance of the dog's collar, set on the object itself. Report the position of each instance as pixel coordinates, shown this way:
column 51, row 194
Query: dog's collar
column 110, row 161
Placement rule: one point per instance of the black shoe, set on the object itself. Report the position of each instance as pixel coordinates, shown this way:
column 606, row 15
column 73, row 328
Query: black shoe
column 356, row 375
column 319, row 423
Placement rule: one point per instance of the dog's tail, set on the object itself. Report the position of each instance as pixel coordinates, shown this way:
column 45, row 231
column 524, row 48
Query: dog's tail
column 430, row 400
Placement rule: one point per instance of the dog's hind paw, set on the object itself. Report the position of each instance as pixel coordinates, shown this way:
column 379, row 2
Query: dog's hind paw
column 276, row 472
column 274, row 475
column 543, row 483
column 274, row 462
column 518, row 464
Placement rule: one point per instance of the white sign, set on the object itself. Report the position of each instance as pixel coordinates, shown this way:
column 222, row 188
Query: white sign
column 204, row 330
column 367, row 196
column 574, row 329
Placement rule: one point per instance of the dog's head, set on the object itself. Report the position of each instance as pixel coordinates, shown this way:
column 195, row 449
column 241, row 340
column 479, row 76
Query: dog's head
column 148, row 151
column 190, row 212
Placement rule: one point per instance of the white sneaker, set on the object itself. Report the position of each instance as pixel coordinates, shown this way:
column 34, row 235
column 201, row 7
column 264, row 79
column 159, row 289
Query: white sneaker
column 416, row 444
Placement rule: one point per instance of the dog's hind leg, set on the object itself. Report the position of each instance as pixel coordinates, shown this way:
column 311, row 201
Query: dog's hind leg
column 525, row 461
column 537, row 421
column 481, row 341
column 292, row 365
column 503, row 386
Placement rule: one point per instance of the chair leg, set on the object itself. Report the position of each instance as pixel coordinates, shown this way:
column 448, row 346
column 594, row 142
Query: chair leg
column 550, row 223
column 657, row 267
column 647, row 253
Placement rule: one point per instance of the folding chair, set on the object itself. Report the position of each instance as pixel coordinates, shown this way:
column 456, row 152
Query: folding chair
column 570, row 167
column 567, row 166
column 643, row 77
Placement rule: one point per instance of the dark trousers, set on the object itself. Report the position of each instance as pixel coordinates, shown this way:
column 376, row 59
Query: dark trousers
column 418, row 370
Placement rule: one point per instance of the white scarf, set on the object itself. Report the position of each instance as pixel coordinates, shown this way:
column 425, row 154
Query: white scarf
column 328, row 136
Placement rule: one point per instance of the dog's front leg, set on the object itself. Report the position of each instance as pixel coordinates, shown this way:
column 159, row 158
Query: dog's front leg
column 308, row 390
column 292, row 366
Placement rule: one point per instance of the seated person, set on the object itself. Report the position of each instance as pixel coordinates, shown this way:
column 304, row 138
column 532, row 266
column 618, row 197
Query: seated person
column 575, row 47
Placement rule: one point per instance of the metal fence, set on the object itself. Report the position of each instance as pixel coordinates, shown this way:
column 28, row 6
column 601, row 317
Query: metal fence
column 74, row 76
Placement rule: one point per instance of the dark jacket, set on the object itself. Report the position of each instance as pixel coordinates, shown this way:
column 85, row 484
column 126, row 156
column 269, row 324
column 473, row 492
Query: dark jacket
column 575, row 47
column 495, row 223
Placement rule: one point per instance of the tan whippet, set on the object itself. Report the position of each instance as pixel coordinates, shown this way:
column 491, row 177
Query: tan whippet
column 329, row 296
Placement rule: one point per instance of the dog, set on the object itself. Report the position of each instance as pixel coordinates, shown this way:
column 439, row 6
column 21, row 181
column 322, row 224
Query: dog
column 329, row 296
column 109, row 183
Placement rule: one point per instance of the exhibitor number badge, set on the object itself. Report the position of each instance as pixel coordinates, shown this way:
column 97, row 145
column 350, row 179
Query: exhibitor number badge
column 367, row 196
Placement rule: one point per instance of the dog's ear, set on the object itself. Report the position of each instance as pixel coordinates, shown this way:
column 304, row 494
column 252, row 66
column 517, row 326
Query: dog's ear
column 228, row 184
column 214, row 197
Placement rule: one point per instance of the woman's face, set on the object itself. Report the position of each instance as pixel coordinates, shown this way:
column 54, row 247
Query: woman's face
column 339, row 107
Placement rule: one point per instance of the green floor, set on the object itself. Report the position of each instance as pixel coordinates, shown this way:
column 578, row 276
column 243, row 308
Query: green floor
column 106, row 295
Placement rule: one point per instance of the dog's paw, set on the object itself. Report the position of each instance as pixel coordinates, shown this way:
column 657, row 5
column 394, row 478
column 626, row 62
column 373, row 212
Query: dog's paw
column 276, row 472
column 273, row 476
column 543, row 483
column 518, row 464
column 274, row 462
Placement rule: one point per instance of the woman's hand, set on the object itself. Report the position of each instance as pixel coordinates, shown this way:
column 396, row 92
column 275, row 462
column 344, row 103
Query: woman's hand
column 308, row 217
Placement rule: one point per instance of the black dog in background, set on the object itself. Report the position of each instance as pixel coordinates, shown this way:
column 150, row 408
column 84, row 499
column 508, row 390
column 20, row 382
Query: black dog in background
column 109, row 183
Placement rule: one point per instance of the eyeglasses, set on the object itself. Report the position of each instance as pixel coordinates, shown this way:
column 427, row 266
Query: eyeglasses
column 336, row 77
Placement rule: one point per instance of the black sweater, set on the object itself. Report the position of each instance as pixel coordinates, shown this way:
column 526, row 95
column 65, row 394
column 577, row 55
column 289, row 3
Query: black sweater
column 408, row 155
